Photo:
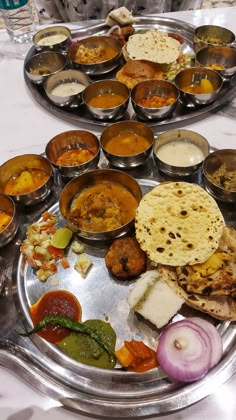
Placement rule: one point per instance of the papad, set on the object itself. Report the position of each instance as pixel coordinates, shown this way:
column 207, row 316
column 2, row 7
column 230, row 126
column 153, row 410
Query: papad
column 178, row 223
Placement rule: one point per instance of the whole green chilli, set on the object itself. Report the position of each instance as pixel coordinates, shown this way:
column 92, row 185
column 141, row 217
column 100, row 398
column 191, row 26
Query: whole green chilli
column 70, row 324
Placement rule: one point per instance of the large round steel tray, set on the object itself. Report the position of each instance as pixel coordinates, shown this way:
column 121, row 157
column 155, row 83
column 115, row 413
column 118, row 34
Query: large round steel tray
column 182, row 115
column 110, row 393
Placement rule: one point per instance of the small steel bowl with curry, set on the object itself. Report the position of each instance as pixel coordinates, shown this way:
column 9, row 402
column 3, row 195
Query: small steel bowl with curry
column 100, row 204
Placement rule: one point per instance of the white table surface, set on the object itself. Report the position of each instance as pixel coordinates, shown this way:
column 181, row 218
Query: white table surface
column 26, row 128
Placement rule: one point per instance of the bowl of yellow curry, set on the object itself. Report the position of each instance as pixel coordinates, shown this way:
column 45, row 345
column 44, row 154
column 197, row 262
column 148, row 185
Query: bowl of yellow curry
column 27, row 179
column 100, row 204
column 198, row 86
column 106, row 99
column 127, row 144
column 94, row 55
column 8, row 220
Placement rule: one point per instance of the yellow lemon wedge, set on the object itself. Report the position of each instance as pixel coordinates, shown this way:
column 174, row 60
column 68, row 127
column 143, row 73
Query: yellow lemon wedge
column 61, row 238
column 206, row 86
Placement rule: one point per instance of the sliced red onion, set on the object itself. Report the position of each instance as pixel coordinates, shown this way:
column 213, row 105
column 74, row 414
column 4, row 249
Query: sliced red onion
column 184, row 351
column 215, row 338
column 113, row 28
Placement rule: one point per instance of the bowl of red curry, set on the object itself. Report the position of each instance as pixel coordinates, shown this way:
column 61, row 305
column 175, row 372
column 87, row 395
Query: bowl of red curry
column 73, row 152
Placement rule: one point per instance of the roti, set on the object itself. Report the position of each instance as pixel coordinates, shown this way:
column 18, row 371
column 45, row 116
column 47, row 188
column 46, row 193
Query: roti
column 215, row 277
column 178, row 223
column 219, row 307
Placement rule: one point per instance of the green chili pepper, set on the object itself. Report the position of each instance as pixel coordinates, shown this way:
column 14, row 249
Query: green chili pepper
column 65, row 322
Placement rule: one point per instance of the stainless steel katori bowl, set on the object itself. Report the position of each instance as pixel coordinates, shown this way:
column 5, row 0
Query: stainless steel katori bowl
column 218, row 168
column 100, row 176
column 110, row 87
column 7, row 206
column 127, row 128
column 75, row 81
column 220, row 59
column 212, row 35
column 94, row 44
column 22, row 165
column 180, row 152
column 154, row 87
column 193, row 76
column 44, row 64
column 52, row 38
column 69, row 140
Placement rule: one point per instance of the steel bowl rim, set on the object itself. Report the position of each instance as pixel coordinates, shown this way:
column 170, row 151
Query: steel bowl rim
column 61, row 167
column 109, row 234
column 206, row 173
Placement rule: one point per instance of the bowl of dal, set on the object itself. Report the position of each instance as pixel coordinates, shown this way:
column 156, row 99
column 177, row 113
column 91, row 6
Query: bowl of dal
column 127, row 144
column 106, row 99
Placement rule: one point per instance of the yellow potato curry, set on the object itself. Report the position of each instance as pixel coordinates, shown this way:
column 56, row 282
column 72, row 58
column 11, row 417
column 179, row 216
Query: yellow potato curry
column 26, row 181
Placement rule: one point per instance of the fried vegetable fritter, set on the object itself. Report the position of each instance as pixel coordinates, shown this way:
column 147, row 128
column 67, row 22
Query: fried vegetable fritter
column 125, row 259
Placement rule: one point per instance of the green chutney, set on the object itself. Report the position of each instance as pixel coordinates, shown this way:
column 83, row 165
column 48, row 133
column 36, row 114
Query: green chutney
column 86, row 350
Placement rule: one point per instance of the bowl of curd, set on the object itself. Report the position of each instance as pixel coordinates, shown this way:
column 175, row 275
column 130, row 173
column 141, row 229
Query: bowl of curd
column 65, row 88
column 180, row 152
column 52, row 38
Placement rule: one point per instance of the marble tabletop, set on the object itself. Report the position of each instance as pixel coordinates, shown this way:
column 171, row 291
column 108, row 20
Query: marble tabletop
column 26, row 128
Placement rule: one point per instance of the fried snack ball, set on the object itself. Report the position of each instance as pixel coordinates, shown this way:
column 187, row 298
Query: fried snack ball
column 125, row 259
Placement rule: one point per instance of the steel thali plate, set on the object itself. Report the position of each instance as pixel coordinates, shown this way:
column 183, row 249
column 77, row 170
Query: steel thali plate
column 110, row 393
column 182, row 114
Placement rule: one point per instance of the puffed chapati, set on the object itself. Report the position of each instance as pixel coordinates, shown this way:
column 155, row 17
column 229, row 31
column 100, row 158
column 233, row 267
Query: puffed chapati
column 178, row 223
column 219, row 307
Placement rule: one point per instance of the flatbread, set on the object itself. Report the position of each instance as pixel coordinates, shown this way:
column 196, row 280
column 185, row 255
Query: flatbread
column 153, row 45
column 178, row 223
column 219, row 307
column 215, row 277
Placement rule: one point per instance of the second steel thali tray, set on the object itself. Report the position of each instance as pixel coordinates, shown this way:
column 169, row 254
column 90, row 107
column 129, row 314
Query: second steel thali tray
column 182, row 114
column 112, row 392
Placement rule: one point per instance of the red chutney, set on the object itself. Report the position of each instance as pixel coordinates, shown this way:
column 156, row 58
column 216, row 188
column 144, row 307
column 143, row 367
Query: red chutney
column 55, row 302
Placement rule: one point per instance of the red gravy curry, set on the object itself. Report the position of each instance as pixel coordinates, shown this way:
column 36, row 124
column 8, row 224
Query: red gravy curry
column 55, row 302
column 73, row 157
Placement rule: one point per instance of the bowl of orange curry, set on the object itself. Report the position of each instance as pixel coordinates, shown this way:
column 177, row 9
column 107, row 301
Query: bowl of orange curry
column 95, row 55
column 27, row 179
column 100, row 204
column 106, row 99
column 73, row 152
column 8, row 220
column 127, row 144
column 154, row 99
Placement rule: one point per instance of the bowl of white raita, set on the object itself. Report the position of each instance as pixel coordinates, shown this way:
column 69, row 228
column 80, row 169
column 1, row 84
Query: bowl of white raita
column 180, row 152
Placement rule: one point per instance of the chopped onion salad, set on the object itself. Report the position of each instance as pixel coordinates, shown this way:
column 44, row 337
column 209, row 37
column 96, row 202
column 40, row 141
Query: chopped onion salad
column 38, row 248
